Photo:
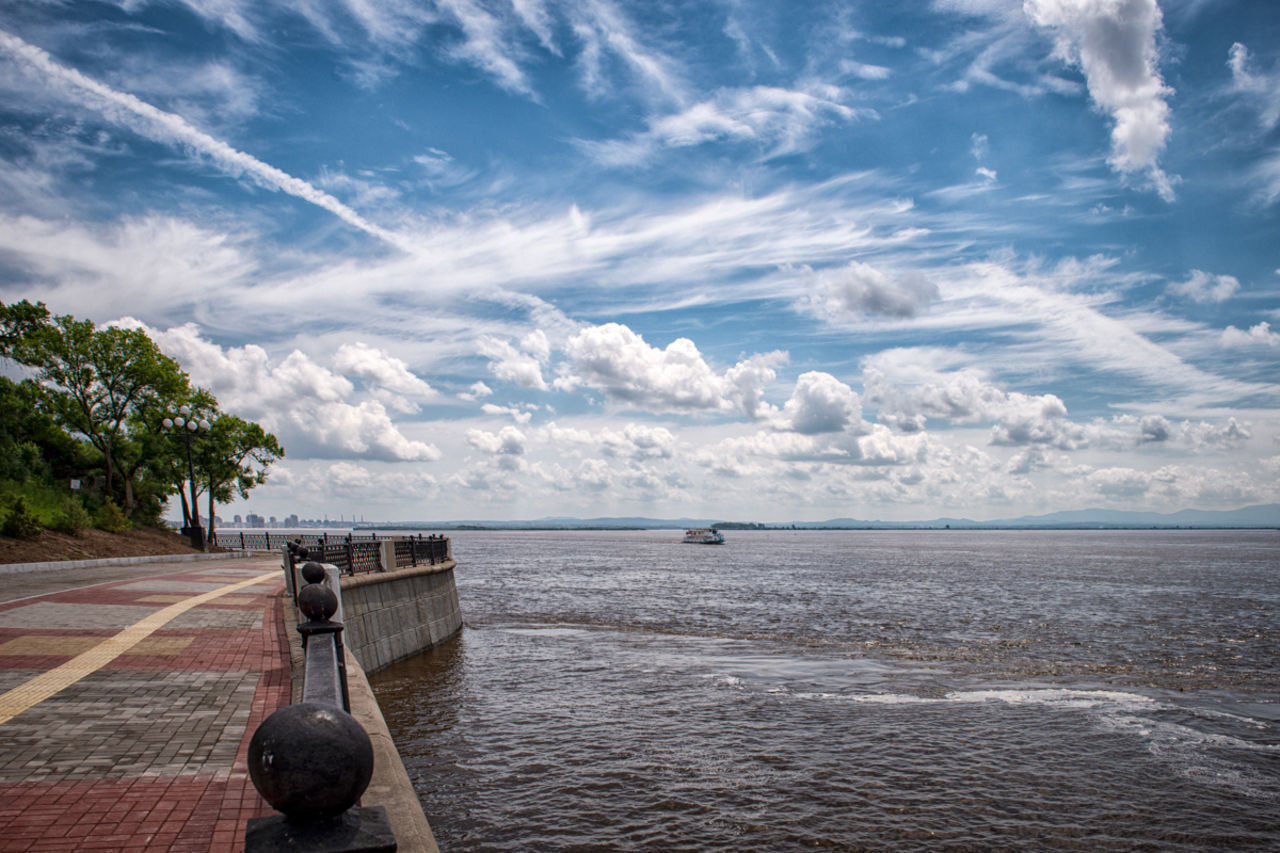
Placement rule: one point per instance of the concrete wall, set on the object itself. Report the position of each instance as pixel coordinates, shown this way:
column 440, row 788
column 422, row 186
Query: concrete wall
column 390, row 616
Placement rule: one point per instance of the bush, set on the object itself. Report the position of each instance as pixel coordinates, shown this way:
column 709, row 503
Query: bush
column 110, row 518
column 71, row 519
column 20, row 522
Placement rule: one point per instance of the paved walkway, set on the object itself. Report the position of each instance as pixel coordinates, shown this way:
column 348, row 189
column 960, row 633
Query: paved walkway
column 126, row 708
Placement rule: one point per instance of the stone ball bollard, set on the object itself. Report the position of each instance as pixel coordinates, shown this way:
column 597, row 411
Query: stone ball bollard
column 317, row 602
column 310, row 761
column 313, row 572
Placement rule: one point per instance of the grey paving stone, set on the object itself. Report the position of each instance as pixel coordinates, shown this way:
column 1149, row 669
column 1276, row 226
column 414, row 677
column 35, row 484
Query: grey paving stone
column 121, row 723
column 47, row 614
column 195, row 587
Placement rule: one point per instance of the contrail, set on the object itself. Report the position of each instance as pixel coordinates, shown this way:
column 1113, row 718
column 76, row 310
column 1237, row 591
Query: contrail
column 160, row 126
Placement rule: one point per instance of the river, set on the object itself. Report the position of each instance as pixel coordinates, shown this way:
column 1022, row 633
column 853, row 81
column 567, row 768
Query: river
column 852, row 690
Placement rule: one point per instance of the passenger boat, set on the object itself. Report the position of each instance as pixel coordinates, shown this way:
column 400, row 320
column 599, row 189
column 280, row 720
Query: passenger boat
column 704, row 536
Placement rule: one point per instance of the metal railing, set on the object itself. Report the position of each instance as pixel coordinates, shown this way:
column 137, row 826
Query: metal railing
column 312, row 760
column 351, row 554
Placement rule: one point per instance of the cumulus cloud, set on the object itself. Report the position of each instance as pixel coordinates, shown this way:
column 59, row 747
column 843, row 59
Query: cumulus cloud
column 878, row 446
column 616, row 360
column 1257, row 336
column 520, row 416
column 1028, row 460
column 1119, row 483
column 379, row 368
column 522, row 365
column 506, row 441
column 1206, row 287
column 821, row 403
column 1114, row 44
column 633, row 441
column 861, row 289
column 477, row 391
column 311, row 409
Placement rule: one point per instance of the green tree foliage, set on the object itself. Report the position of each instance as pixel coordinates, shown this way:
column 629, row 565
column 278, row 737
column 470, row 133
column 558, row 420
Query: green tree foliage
column 19, row 324
column 94, row 406
column 234, row 457
column 32, row 445
column 100, row 377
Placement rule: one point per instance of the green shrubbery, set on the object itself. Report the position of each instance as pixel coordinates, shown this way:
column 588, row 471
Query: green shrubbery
column 111, row 519
column 71, row 519
column 19, row 521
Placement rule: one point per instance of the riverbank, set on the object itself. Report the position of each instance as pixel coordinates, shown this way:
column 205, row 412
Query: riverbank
column 91, row 544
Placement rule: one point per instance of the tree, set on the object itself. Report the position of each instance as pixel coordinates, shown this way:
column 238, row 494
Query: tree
column 233, row 458
column 32, row 445
column 98, row 378
column 19, row 324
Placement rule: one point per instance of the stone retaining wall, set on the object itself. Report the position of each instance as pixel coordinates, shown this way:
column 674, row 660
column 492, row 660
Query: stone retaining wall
column 390, row 616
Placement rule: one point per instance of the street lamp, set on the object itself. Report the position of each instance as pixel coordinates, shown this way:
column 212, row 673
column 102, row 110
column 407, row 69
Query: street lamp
column 184, row 422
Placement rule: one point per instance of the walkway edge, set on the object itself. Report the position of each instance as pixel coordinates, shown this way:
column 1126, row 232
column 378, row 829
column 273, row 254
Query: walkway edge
column 15, row 568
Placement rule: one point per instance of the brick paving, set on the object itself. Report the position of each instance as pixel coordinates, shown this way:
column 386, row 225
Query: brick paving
column 146, row 751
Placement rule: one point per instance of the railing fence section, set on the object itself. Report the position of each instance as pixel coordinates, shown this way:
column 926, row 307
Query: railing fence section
column 351, row 554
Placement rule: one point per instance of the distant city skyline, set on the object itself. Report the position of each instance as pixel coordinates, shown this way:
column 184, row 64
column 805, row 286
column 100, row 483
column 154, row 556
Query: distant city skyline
column 745, row 260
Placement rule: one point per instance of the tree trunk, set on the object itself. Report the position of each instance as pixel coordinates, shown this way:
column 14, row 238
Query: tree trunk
column 212, row 522
column 186, row 513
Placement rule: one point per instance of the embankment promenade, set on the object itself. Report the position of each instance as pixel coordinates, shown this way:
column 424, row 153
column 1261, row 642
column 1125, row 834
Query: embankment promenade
column 129, row 694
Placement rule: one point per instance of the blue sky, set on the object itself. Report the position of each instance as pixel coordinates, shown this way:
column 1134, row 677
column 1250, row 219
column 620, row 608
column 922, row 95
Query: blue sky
column 748, row 260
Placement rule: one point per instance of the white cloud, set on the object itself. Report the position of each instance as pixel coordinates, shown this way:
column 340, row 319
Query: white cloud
column 821, row 403
column 506, row 441
column 311, row 409
column 105, row 270
column 965, row 396
column 484, row 43
column 380, row 368
column 619, row 362
column 778, row 120
column 1257, row 336
column 1262, row 88
column 520, row 416
column 864, row 71
column 128, row 111
column 349, row 479
column 1119, row 484
column 1206, row 287
column 520, row 366
column 477, row 391
column 860, row 289
column 1114, row 43
column 605, row 33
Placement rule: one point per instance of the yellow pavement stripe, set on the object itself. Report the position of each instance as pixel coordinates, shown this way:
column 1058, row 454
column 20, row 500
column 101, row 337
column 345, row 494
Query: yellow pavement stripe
column 47, row 684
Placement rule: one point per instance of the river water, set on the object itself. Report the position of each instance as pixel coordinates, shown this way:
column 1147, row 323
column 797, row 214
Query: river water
column 849, row 690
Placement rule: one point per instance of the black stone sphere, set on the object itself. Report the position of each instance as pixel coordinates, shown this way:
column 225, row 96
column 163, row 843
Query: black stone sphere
column 317, row 602
column 313, row 572
column 310, row 761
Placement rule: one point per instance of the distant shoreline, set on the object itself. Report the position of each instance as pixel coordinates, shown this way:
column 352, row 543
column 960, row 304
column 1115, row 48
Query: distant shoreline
column 497, row 527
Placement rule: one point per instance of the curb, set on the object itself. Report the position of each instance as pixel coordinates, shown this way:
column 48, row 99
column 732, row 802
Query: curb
column 15, row 568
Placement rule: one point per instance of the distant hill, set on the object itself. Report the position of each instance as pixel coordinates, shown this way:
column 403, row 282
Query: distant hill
column 1263, row 515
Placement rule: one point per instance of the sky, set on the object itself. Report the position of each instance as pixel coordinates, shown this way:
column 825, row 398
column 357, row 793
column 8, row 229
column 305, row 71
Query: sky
column 754, row 261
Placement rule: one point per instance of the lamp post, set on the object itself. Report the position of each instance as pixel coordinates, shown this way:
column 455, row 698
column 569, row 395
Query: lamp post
column 184, row 421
